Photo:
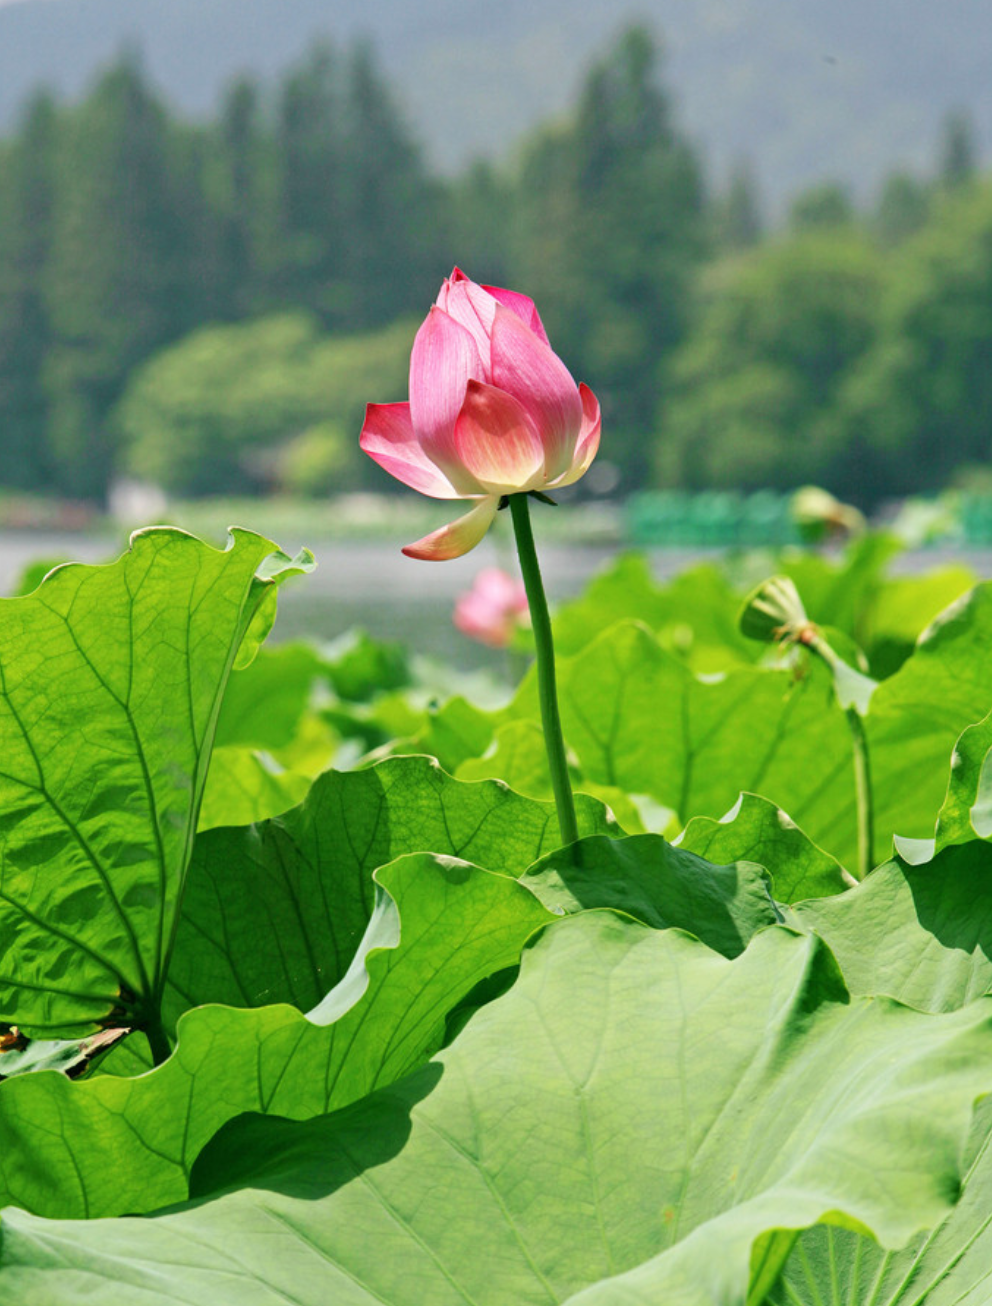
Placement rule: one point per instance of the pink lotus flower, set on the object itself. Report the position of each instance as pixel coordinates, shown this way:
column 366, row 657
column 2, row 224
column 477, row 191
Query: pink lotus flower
column 493, row 411
column 492, row 609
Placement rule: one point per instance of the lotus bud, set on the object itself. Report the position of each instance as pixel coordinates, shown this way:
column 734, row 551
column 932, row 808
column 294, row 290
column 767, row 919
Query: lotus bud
column 493, row 411
column 773, row 613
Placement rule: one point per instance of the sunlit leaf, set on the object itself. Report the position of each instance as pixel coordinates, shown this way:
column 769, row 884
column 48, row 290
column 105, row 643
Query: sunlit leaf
column 274, row 911
column 629, row 1123
column 110, row 689
column 440, row 926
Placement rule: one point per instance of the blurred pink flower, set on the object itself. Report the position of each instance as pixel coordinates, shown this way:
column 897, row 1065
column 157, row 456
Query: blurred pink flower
column 492, row 609
column 493, row 411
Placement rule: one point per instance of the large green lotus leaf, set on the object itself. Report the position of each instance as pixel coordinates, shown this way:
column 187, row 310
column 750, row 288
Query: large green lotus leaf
column 362, row 667
column 270, row 742
column 111, row 679
column 265, row 702
column 273, row 912
column 637, row 718
column 660, row 885
column 247, row 785
column 519, row 756
column 902, row 608
column 453, row 732
column 755, row 830
column 922, row 934
column 108, row 1145
column 967, row 810
column 626, row 1124
column 950, row 1266
column 694, row 614
column 918, row 714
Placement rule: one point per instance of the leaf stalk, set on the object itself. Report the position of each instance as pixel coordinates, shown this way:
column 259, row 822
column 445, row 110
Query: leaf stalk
column 863, row 793
column 158, row 1041
column 546, row 680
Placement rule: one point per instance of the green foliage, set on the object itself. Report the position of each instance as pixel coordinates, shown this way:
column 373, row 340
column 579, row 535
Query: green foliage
column 401, row 1044
column 27, row 180
column 920, row 399
column 611, row 207
column 642, row 1210
column 903, row 208
column 101, row 818
column 229, row 408
column 121, row 278
column 827, row 204
column 849, row 352
column 751, row 390
column 459, row 924
column 755, row 830
column 738, row 219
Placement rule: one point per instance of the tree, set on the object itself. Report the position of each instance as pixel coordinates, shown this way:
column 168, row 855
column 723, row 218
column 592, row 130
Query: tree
column 957, row 152
column 26, row 197
column 610, row 232
column 827, row 204
column 902, row 208
column 921, row 400
column 121, row 277
column 239, row 193
column 218, row 412
column 309, row 236
column 480, row 202
column 737, row 213
column 395, row 214
column 752, row 392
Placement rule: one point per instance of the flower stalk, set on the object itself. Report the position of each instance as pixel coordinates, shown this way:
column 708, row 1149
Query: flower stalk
column 546, row 679
column 863, row 794
column 774, row 613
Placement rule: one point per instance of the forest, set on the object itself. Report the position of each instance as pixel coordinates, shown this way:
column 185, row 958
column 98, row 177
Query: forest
column 208, row 305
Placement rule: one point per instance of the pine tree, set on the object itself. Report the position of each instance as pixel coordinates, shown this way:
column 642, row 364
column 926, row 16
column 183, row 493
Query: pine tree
column 827, row 204
column 958, row 152
column 308, row 239
column 396, row 220
column 122, row 278
column 902, row 208
column 26, row 182
column 234, row 183
column 612, row 227
column 738, row 214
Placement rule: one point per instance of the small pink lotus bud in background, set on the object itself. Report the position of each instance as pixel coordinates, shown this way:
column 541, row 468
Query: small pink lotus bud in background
column 492, row 609
column 493, row 411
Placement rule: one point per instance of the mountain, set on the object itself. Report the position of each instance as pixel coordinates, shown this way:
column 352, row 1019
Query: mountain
column 804, row 89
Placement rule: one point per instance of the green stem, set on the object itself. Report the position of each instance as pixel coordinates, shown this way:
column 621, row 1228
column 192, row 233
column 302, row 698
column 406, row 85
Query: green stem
column 547, row 689
column 158, row 1042
column 862, row 789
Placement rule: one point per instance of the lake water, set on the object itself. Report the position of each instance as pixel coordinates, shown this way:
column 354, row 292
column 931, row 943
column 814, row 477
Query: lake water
column 393, row 597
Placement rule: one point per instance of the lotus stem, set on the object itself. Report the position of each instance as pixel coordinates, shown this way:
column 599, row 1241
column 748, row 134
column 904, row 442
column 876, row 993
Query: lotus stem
column 863, row 794
column 546, row 681
column 158, row 1041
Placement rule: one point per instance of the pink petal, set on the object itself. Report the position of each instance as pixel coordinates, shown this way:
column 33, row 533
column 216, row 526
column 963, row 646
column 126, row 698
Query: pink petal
column 496, row 441
column 587, row 445
column 523, row 306
column 528, row 369
column 471, row 308
column 388, row 437
column 493, row 608
column 500, row 590
column 443, row 359
column 457, row 537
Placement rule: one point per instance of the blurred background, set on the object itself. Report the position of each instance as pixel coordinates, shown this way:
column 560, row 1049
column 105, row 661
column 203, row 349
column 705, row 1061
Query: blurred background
column 761, row 232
